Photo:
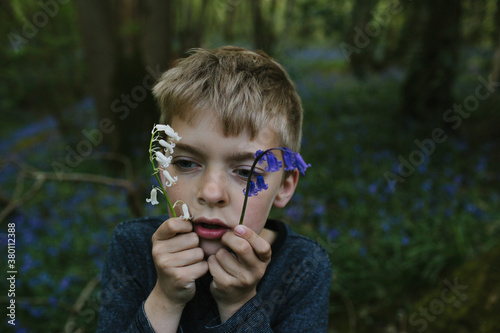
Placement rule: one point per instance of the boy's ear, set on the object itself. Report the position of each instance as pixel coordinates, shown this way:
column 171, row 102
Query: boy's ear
column 287, row 189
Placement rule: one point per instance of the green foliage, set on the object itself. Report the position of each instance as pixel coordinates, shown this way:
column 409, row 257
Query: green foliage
column 387, row 246
column 45, row 68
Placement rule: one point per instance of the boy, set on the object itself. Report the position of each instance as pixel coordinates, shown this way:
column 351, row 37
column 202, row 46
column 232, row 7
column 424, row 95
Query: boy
column 209, row 274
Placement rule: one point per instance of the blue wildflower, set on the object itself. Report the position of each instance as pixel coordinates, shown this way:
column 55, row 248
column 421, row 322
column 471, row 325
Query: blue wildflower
column 301, row 164
column 295, row 213
column 289, row 158
column 372, row 188
column 292, row 161
column 53, row 301
column 64, row 283
column 343, row 202
column 272, row 162
column 482, row 165
column 427, row 185
column 251, row 189
column 333, row 234
column 355, row 233
column 257, row 186
column 319, row 209
column 261, row 185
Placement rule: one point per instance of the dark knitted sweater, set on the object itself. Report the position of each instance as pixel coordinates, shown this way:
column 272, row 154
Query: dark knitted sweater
column 292, row 296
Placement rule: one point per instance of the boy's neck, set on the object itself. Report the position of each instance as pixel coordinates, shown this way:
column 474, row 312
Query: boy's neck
column 269, row 235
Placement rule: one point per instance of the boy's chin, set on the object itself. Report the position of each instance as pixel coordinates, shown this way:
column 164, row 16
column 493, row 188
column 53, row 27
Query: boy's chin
column 210, row 247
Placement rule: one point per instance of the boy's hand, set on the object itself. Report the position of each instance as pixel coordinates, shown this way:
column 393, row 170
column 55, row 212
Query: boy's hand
column 178, row 260
column 235, row 276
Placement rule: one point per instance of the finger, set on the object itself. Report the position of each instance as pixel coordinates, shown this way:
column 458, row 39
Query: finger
column 220, row 276
column 184, row 258
column 197, row 270
column 229, row 263
column 180, row 242
column 172, row 227
column 258, row 245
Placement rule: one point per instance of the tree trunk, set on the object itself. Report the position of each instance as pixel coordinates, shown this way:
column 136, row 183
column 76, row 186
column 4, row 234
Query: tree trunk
column 191, row 33
column 289, row 11
column 159, row 25
column 97, row 33
column 262, row 32
column 229, row 23
column 123, row 67
column 495, row 72
column 427, row 90
column 414, row 16
column 362, row 60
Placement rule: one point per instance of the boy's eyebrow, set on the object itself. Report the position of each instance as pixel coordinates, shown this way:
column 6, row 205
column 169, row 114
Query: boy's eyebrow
column 239, row 156
column 189, row 149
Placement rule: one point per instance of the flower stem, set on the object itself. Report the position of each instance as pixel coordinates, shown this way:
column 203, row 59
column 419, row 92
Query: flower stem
column 249, row 180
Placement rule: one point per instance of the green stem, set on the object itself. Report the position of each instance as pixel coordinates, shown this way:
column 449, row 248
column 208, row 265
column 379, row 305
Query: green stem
column 249, row 179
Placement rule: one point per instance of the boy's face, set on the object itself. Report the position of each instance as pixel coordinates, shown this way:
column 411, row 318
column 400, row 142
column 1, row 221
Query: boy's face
column 212, row 171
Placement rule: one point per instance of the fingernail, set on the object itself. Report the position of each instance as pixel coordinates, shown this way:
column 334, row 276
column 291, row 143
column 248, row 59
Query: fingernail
column 239, row 230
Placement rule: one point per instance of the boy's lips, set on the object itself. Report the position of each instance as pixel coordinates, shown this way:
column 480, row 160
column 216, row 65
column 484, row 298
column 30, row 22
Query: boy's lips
column 209, row 228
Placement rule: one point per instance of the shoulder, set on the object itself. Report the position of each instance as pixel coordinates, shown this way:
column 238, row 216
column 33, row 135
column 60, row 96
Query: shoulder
column 299, row 266
column 308, row 250
column 301, row 251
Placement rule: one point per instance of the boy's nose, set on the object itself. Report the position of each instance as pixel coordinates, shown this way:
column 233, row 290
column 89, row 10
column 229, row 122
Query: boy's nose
column 213, row 191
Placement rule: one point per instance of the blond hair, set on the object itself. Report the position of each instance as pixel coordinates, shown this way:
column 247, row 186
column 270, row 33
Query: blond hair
column 247, row 91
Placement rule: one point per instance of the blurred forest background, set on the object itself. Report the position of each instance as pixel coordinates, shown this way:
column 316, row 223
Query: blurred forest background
column 401, row 105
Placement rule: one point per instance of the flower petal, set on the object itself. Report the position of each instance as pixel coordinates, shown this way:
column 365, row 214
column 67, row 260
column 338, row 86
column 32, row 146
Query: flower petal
column 153, row 197
column 301, row 164
column 272, row 162
column 252, row 190
column 289, row 158
column 185, row 213
column 162, row 159
column 261, row 184
column 167, row 146
column 170, row 180
column 169, row 131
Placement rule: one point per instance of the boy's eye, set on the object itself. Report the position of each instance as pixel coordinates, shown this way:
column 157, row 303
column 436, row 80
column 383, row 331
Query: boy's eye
column 244, row 173
column 184, row 165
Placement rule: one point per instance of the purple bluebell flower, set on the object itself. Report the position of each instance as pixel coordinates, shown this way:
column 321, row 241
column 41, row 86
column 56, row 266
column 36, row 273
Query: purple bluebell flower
column 273, row 164
column 301, row 164
column 257, row 186
column 333, row 234
column 252, row 190
column 292, row 161
column 261, row 185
